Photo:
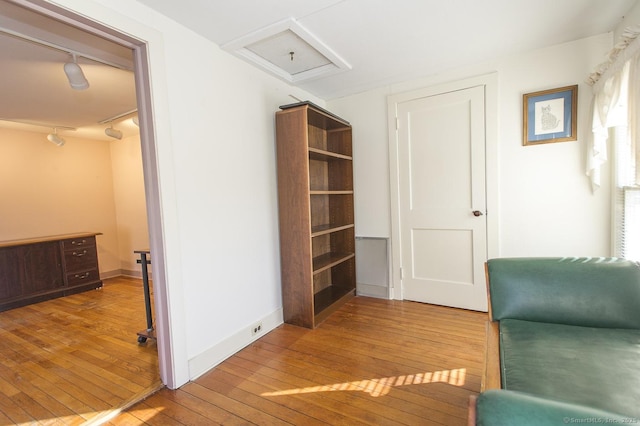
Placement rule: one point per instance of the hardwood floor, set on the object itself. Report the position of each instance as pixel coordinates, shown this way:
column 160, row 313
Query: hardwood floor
column 373, row 362
column 68, row 361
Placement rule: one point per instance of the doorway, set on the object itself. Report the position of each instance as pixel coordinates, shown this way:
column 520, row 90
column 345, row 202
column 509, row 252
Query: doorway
column 150, row 172
column 440, row 157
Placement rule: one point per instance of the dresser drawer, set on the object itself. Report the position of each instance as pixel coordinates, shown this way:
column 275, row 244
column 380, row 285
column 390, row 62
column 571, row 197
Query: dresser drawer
column 82, row 277
column 80, row 259
column 76, row 243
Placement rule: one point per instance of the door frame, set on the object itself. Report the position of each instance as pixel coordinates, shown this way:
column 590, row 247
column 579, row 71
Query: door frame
column 490, row 82
column 171, row 369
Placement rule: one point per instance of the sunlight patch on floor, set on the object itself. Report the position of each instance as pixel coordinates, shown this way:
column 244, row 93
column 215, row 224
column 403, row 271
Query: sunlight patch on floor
column 382, row 386
column 140, row 414
column 107, row 415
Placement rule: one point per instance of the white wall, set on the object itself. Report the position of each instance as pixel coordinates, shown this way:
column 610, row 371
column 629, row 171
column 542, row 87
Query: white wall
column 50, row 190
column 85, row 185
column 130, row 203
column 223, row 146
column 546, row 204
column 214, row 139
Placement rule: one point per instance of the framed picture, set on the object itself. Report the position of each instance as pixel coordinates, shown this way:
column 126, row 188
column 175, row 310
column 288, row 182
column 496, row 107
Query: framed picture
column 550, row 116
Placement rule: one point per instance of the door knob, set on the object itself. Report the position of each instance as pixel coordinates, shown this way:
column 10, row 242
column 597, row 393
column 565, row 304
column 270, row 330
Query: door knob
column 477, row 213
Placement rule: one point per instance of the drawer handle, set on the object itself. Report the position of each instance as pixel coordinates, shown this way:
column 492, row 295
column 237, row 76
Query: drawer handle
column 82, row 276
column 78, row 243
column 78, row 254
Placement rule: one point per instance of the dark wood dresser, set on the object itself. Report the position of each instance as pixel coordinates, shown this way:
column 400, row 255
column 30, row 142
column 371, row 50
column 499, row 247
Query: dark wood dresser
column 37, row 269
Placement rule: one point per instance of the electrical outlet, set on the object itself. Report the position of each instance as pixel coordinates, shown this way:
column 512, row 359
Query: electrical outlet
column 256, row 329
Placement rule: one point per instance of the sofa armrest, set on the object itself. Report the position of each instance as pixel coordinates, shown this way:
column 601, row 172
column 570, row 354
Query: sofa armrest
column 508, row 408
column 491, row 376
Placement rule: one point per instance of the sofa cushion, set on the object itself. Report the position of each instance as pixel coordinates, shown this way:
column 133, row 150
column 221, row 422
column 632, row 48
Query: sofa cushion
column 596, row 367
column 591, row 292
column 509, row 408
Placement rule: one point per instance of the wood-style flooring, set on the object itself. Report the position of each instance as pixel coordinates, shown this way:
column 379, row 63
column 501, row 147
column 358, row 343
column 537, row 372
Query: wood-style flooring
column 70, row 360
column 372, row 362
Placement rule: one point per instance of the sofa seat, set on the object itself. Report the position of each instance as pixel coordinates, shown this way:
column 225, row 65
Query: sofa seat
column 594, row 367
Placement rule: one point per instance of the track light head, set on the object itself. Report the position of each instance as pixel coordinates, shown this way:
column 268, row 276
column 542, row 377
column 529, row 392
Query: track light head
column 76, row 77
column 55, row 139
column 114, row 133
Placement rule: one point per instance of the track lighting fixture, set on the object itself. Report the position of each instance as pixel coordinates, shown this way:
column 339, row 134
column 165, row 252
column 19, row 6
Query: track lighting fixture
column 114, row 133
column 55, row 139
column 74, row 73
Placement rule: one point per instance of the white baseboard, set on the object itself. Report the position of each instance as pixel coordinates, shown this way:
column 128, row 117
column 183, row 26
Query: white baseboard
column 368, row 290
column 136, row 273
column 223, row 350
column 123, row 272
column 110, row 274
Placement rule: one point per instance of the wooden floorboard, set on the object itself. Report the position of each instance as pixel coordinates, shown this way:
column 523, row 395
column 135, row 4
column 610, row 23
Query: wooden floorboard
column 72, row 360
column 372, row 362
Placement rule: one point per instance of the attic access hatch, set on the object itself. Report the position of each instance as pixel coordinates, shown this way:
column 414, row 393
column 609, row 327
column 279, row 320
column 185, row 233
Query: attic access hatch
column 289, row 51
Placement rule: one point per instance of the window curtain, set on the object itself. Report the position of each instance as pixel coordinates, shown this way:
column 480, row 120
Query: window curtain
column 615, row 117
column 616, row 104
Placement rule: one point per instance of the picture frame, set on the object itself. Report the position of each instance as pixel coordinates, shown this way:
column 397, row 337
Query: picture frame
column 550, row 116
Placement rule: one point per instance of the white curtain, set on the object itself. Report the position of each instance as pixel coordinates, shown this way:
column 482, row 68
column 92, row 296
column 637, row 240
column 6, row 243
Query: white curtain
column 615, row 115
column 616, row 103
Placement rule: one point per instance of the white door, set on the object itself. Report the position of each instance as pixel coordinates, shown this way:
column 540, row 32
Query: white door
column 442, row 200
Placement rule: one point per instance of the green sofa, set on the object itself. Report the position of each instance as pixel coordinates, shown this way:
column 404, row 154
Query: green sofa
column 563, row 342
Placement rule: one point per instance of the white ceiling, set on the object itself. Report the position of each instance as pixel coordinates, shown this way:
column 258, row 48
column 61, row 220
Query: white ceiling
column 34, row 92
column 388, row 41
column 382, row 41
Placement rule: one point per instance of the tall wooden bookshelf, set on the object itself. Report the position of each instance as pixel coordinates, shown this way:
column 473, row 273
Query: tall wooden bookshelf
column 315, row 197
